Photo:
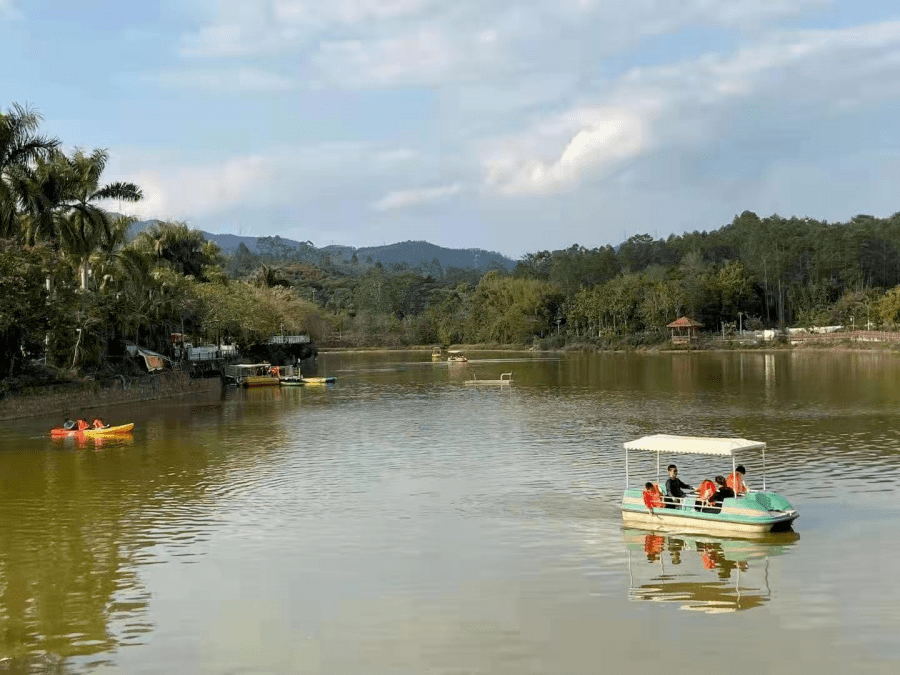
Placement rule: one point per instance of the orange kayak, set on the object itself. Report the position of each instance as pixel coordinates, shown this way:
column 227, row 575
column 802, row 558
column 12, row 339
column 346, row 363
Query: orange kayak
column 59, row 432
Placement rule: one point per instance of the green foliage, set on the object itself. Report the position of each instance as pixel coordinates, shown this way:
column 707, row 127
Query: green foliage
column 180, row 248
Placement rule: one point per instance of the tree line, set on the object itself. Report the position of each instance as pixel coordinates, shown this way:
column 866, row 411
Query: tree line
column 75, row 289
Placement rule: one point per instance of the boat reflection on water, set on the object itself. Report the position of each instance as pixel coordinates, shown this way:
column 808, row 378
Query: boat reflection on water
column 702, row 573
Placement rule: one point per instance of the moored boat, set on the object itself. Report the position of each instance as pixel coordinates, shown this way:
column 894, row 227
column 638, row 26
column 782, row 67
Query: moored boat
column 319, row 380
column 253, row 374
column 749, row 514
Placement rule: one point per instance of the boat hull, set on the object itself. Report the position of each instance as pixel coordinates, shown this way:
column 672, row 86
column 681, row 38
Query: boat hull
column 753, row 514
column 319, row 380
column 260, row 381
column 89, row 433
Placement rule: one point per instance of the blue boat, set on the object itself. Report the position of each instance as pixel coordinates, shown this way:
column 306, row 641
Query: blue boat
column 750, row 514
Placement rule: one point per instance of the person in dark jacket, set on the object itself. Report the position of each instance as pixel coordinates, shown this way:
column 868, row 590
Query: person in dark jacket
column 675, row 488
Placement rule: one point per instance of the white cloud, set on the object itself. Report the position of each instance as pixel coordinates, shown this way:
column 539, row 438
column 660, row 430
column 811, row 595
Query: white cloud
column 684, row 104
column 176, row 187
column 386, row 42
column 180, row 192
column 226, row 80
column 420, row 56
column 405, row 198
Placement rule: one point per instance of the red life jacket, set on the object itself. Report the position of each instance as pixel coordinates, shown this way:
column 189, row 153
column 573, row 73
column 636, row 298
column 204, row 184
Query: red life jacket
column 706, row 490
column 653, row 498
column 736, row 482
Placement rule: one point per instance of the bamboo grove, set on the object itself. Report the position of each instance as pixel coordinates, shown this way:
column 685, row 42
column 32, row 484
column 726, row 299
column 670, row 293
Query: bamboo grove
column 75, row 287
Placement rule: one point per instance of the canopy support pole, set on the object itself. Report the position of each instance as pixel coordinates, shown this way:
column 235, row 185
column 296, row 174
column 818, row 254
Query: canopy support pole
column 764, row 468
column 734, row 477
column 626, row 468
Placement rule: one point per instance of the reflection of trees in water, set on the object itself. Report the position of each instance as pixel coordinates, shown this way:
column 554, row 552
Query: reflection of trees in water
column 77, row 521
column 703, row 573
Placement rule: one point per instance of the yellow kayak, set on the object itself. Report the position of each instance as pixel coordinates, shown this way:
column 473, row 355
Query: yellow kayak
column 318, row 380
column 105, row 431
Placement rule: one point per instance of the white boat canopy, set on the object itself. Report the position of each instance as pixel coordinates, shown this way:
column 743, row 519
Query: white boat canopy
column 695, row 445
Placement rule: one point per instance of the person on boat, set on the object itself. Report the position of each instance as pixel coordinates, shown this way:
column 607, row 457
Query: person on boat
column 82, row 424
column 704, row 492
column 675, row 488
column 98, row 423
column 722, row 492
column 735, row 480
column 653, row 498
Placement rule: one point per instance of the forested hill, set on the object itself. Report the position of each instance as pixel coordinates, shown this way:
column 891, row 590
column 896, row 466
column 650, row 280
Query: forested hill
column 415, row 252
column 412, row 253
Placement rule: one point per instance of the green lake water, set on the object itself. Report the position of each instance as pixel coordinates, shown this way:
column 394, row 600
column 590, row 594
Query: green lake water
column 402, row 522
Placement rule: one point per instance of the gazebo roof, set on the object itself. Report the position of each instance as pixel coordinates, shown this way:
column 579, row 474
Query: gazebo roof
column 684, row 322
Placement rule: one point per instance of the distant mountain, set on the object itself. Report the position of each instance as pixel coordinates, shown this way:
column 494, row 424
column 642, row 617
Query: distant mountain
column 410, row 252
column 415, row 252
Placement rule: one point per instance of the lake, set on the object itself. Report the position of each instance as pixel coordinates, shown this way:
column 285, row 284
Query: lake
column 401, row 522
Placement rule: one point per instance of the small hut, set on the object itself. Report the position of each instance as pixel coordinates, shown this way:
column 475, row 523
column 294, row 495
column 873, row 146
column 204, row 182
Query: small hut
column 684, row 330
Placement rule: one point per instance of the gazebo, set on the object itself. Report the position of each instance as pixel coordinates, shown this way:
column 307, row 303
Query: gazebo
column 684, row 330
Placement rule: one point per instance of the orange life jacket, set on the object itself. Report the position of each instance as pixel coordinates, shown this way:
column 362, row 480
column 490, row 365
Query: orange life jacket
column 653, row 497
column 706, row 490
column 98, row 424
column 736, row 482
column 82, row 425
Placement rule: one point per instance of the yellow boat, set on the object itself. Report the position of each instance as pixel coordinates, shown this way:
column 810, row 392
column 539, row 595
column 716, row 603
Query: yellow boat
column 103, row 431
column 318, row 380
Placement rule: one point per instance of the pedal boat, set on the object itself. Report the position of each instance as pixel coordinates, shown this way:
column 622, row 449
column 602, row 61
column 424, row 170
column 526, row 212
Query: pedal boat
column 750, row 514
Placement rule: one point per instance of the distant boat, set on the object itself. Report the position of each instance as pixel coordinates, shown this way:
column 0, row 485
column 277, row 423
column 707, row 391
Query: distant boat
column 253, row 374
column 319, row 380
column 505, row 378
column 456, row 356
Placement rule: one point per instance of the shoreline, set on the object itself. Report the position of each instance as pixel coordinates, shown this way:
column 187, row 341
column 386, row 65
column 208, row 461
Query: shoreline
column 70, row 400
column 662, row 348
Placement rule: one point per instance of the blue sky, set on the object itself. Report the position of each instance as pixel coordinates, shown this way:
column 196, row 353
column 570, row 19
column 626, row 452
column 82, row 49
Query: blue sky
column 511, row 126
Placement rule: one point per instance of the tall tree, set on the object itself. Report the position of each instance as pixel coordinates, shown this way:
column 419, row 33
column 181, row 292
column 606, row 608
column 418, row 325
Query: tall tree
column 20, row 147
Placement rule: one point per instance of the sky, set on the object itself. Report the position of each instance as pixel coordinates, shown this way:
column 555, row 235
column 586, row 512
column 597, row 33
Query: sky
column 507, row 125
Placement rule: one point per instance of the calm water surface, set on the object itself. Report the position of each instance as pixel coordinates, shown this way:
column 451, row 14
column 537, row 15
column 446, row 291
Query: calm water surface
column 401, row 522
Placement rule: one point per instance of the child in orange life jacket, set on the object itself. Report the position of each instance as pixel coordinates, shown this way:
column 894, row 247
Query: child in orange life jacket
column 706, row 490
column 652, row 497
column 82, row 425
column 736, row 482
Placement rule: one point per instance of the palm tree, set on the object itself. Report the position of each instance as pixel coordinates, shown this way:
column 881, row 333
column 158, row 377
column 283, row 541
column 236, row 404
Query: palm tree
column 185, row 250
column 62, row 200
column 20, row 147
